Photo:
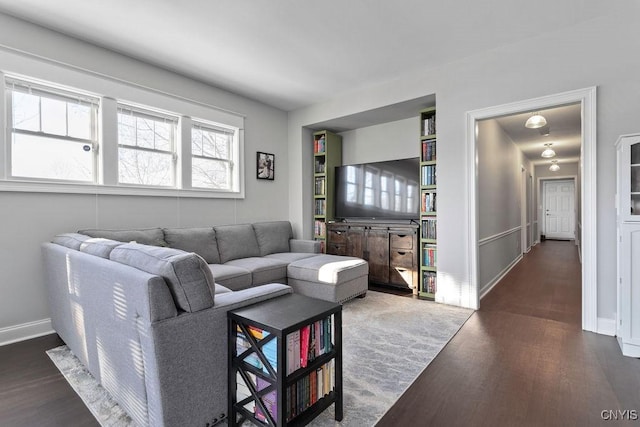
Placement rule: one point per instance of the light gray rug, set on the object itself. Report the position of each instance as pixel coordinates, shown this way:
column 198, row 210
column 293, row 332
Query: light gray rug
column 387, row 342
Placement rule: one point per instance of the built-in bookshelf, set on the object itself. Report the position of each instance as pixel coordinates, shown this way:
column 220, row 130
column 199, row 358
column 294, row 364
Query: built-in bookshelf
column 428, row 205
column 285, row 361
column 327, row 154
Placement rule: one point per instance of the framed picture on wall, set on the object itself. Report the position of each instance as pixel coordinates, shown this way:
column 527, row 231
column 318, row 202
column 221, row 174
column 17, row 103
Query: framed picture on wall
column 265, row 165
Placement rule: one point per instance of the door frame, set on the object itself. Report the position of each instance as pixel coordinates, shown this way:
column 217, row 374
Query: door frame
column 524, row 207
column 541, row 182
column 587, row 99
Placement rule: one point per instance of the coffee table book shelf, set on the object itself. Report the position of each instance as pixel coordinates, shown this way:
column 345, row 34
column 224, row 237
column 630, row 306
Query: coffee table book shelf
column 285, row 361
column 428, row 205
column 327, row 154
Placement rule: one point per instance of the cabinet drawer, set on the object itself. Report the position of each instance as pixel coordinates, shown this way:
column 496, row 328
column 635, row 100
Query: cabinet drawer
column 337, row 249
column 401, row 241
column 337, row 235
column 402, row 259
column 402, row 276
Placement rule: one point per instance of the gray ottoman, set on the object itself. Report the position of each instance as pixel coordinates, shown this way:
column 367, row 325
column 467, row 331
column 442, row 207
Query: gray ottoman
column 329, row 277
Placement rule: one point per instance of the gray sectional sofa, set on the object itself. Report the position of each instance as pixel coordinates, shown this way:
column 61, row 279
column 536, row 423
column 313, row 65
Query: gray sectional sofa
column 146, row 310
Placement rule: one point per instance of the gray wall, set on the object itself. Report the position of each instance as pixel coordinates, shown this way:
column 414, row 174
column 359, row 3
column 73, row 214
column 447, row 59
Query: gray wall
column 28, row 219
column 499, row 202
column 578, row 56
column 386, row 141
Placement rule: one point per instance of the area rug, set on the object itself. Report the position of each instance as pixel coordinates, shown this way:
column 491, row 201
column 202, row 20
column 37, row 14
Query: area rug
column 388, row 341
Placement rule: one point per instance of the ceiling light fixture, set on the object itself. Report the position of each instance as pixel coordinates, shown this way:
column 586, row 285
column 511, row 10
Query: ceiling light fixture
column 554, row 166
column 535, row 121
column 548, row 152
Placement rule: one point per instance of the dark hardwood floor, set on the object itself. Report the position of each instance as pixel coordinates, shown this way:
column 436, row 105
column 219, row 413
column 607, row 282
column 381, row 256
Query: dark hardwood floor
column 32, row 390
column 523, row 360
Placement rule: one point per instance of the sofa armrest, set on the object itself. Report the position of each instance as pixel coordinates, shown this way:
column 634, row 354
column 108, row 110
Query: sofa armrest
column 191, row 357
column 305, row 246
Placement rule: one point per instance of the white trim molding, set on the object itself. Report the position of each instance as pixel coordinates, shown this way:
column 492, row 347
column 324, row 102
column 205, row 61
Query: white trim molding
column 587, row 99
column 606, row 326
column 490, row 239
column 25, row 331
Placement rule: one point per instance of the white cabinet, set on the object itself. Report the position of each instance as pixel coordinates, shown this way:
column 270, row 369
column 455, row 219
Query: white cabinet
column 628, row 227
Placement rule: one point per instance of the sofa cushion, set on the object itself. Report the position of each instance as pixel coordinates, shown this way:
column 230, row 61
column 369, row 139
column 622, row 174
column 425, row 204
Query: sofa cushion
column 290, row 257
column 234, row 278
column 199, row 240
column 236, row 241
column 273, row 237
column 187, row 274
column 328, row 269
column 99, row 247
column 147, row 236
column 263, row 270
column 70, row 240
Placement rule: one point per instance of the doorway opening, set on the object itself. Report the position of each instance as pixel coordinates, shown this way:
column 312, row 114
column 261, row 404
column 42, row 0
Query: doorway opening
column 528, row 219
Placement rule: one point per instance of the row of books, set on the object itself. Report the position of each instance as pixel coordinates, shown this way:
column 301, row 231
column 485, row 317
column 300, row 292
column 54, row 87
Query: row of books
column 320, row 207
column 319, row 165
column 429, row 125
column 320, row 186
column 429, row 150
column 269, row 349
column 429, row 282
column 428, row 202
column 307, row 343
column 269, row 400
column 429, row 255
column 428, row 175
column 319, row 228
column 308, row 390
column 428, row 228
column 319, row 145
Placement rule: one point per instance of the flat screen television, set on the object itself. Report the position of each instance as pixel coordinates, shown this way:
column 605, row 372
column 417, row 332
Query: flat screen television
column 388, row 190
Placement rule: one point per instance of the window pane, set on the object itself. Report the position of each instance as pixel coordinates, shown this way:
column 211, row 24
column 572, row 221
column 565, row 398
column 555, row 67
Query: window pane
column 40, row 157
column 79, row 120
column 145, row 132
column 26, row 111
column 213, row 174
column 54, row 116
column 145, row 168
column 196, row 141
column 126, row 129
column 163, row 136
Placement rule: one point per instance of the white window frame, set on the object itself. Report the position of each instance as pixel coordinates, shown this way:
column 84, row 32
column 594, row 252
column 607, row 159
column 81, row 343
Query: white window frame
column 234, row 151
column 12, row 84
column 146, row 112
column 110, row 93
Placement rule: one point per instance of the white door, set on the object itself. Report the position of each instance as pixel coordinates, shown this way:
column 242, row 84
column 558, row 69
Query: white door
column 559, row 203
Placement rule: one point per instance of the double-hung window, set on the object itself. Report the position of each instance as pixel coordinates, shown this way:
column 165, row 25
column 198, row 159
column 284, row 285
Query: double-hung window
column 213, row 151
column 53, row 133
column 146, row 147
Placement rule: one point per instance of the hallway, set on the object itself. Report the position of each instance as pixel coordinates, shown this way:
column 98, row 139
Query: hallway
column 523, row 360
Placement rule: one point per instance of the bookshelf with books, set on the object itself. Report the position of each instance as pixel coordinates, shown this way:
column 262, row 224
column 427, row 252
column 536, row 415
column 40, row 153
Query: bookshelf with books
column 285, row 361
column 428, row 204
column 327, row 154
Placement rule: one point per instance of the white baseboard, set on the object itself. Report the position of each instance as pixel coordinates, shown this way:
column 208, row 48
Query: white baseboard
column 25, row 331
column 606, row 327
column 487, row 288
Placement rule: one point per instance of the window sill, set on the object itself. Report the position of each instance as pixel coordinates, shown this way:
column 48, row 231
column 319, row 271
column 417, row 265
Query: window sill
column 62, row 188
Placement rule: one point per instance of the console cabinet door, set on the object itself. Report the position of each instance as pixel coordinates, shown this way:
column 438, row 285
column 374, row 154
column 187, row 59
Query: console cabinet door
column 355, row 242
column 378, row 251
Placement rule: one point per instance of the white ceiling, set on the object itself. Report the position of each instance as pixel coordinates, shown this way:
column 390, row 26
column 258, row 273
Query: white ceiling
column 292, row 53
column 564, row 124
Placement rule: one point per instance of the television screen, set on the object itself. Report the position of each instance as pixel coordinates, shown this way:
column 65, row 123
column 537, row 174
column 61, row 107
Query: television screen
column 380, row 190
